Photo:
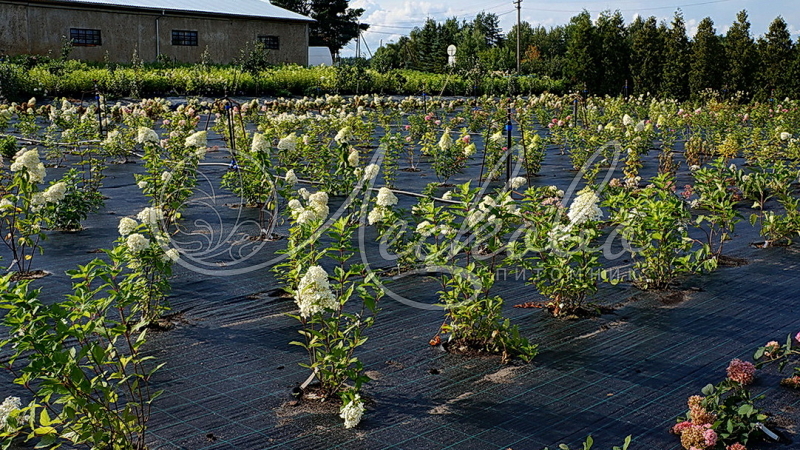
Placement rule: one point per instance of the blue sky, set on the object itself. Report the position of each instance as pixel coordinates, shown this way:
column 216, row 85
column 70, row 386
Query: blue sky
column 390, row 19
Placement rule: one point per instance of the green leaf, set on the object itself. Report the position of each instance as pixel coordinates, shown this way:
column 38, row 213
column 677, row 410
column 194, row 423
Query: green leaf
column 41, row 431
column 44, row 418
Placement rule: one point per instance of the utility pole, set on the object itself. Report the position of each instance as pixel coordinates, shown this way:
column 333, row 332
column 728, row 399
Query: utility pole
column 519, row 28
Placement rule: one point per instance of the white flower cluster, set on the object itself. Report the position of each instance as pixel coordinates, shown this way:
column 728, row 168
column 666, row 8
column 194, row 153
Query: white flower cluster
column 288, row 143
column 136, row 242
column 446, row 141
column 29, row 160
column 259, row 145
column 127, row 226
column 470, row 150
column 145, row 135
column 627, row 120
column 112, row 138
column 518, row 182
column 314, row 293
column 166, row 176
column 352, row 412
column 151, row 216
column 585, row 207
column 353, row 158
column 425, row 228
column 344, row 136
column 6, row 204
column 384, row 199
column 370, row 172
column 317, row 208
column 291, row 178
column 197, row 139
column 11, row 404
column 56, row 192
column 785, row 136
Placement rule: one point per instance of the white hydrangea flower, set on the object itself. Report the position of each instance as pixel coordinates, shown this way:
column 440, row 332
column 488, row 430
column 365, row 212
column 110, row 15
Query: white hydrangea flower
column 639, row 126
column 259, row 144
column 344, row 136
column 370, row 171
column 497, row 137
column 585, row 207
column 136, row 242
column 627, row 120
column 29, row 160
column 288, row 143
column 291, row 178
column 376, row 215
column 305, row 216
column 318, row 197
column 304, row 193
column 785, row 136
column 425, row 228
column 353, row 158
column 151, row 216
column 6, row 204
column 112, row 137
column 446, row 141
column 385, row 197
column 518, row 182
column 142, row 184
column 447, row 195
column 295, row 205
column 56, row 192
column 470, row 150
column 166, row 176
column 11, row 404
column 127, row 226
column 694, row 167
column 314, row 293
column 37, row 201
column 197, row 139
column 145, row 135
column 171, row 255
column 352, row 412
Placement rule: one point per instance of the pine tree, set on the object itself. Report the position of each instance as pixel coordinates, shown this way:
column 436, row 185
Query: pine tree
column 707, row 58
column 675, row 73
column 426, row 42
column 776, row 54
column 582, row 56
column 336, row 24
column 647, row 55
column 614, row 59
column 740, row 54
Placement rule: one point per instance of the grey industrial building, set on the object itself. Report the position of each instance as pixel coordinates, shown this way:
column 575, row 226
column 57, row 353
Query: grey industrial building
column 182, row 30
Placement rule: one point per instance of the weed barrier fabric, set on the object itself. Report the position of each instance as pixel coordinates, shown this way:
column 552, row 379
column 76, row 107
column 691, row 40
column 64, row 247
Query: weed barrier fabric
column 230, row 369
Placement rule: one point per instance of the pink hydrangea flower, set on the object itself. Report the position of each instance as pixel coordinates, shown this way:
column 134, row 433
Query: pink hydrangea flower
column 797, row 336
column 711, row 438
column 736, row 446
column 679, row 427
column 742, row 372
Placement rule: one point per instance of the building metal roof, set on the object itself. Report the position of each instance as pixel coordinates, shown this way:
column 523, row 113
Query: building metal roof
column 251, row 8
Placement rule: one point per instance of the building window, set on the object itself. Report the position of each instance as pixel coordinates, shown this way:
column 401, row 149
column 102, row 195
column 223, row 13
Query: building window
column 270, row 42
column 184, row 37
column 81, row 37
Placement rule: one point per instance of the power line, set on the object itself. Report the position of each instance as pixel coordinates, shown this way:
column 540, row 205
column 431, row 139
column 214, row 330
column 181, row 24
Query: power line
column 639, row 9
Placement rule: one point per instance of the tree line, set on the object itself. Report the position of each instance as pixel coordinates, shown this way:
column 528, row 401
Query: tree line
column 607, row 56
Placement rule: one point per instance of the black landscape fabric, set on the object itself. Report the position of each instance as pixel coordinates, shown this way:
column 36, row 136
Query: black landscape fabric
column 230, row 369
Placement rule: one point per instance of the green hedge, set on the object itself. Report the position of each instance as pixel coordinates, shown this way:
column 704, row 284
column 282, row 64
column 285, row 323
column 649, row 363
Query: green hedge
column 76, row 79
